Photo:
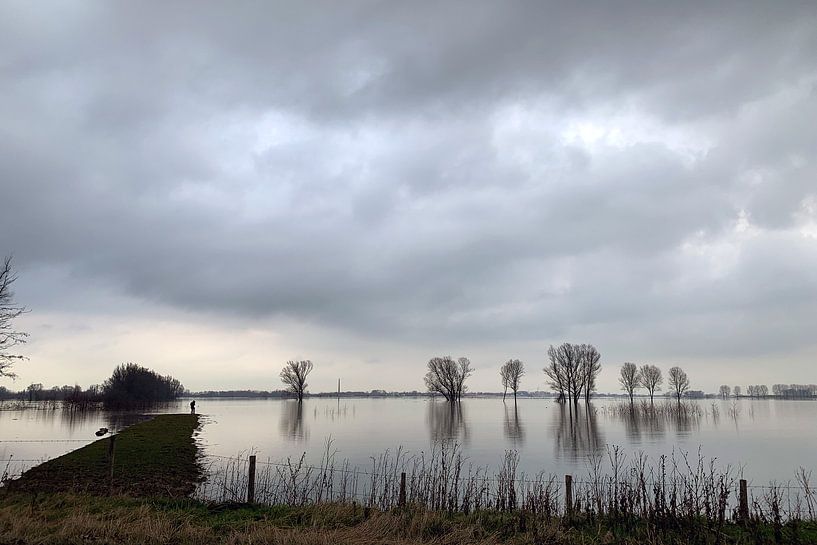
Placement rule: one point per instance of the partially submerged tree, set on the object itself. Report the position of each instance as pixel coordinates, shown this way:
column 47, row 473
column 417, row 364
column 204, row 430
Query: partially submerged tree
column 651, row 379
column 464, row 370
column 630, row 379
column 724, row 391
column 511, row 373
column 572, row 370
column 9, row 337
column 556, row 379
column 736, row 390
column 678, row 382
column 591, row 367
column 294, row 374
column 447, row 377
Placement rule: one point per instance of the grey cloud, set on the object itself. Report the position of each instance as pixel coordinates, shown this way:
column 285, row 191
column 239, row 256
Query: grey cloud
column 349, row 166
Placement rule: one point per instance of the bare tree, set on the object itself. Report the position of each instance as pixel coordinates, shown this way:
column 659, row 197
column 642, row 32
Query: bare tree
column 464, row 370
column 505, row 377
column 651, row 379
column 724, row 391
column 679, row 382
column 9, row 337
column 555, row 374
column 591, row 367
column 511, row 373
column 567, row 360
column 294, row 374
column 737, row 391
column 572, row 370
column 447, row 377
column 630, row 379
column 757, row 390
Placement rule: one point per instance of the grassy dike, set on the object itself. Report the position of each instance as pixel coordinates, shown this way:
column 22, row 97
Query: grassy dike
column 72, row 500
column 153, row 458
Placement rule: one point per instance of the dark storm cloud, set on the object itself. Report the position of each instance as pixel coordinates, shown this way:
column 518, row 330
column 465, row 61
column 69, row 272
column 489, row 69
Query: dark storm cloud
column 408, row 169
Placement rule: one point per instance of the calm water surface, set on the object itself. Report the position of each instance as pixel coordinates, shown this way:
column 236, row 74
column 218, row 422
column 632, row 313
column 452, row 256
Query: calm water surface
column 769, row 439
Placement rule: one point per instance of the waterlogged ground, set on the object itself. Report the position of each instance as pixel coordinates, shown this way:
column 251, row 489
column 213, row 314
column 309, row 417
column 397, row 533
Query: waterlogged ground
column 767, row 440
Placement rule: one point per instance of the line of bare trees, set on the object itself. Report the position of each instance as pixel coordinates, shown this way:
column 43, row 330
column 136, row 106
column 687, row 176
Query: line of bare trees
column 778, row 390
column 572, row 371
column 651, row 378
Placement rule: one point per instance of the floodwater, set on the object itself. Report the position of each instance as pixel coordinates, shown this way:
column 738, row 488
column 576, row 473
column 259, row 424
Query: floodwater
column 768, row 440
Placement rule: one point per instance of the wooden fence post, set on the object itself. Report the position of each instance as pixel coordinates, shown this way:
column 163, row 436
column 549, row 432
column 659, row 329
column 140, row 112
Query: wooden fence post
column 568, row 495
column 743, row 509
column 251, row 481
column 401, row 500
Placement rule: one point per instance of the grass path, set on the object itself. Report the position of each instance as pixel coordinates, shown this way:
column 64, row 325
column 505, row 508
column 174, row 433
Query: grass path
column 153, row 458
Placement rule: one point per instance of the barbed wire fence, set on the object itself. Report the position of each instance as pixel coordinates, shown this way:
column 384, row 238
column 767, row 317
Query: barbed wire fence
column 443, row 479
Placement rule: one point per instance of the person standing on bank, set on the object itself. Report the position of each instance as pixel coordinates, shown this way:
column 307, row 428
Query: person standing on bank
column 193, row 407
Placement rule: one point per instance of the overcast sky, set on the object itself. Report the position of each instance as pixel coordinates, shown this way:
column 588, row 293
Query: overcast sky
column 212, row 189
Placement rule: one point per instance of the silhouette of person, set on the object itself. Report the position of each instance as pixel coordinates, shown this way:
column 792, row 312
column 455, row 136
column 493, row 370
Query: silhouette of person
column 193, row 407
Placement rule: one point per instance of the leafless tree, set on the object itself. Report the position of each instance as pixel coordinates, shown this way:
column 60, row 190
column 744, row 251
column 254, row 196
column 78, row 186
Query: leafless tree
column 736, row 391
column 447, row 377
column 572, row 370
column 555, row 375
column 9, row 337
column 724, row 391
column 651, row 379
column 757, row 390
column 464, row 370
column 591, row 367
column 566, row 366
column 511, row 373
column 679, row 382
column 630, row 379
column 294, row 374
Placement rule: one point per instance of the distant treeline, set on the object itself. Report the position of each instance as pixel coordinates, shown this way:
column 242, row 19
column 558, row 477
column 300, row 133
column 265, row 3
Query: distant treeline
column 262, row 394
column 130, row 385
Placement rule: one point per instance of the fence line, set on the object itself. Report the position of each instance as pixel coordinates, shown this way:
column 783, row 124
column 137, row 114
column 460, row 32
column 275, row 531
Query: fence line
column 520, row 480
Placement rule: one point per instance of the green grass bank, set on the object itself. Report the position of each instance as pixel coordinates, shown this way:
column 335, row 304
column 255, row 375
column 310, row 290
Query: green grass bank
column 153, row 458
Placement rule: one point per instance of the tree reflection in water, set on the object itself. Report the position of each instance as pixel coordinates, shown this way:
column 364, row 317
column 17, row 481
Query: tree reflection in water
column 292, row 421
column 653, row 421
column 577, row 431
column 514, row 429
column 446, row 421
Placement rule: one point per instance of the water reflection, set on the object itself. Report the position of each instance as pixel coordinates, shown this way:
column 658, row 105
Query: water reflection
column 576, row 431
column 292, row 421
column 654, row 421
column 446, row 421
column 514, row 430
column 332, row 413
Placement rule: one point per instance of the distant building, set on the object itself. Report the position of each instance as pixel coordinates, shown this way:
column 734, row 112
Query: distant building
column 695, row 394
